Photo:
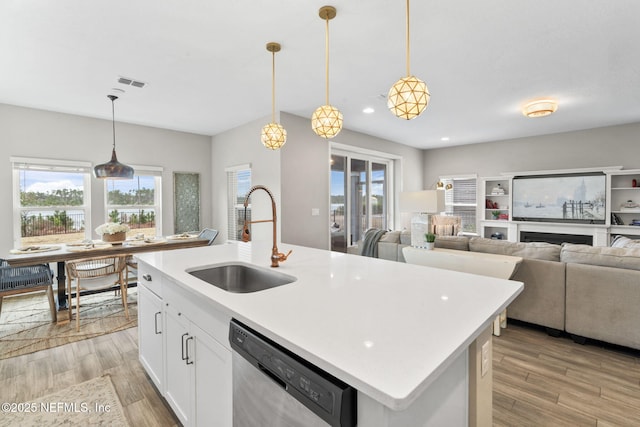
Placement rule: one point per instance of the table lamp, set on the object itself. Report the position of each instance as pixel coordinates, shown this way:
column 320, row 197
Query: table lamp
column 421, row 204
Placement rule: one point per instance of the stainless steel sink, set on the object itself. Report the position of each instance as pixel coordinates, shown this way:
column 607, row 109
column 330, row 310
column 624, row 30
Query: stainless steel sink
column 241, row 278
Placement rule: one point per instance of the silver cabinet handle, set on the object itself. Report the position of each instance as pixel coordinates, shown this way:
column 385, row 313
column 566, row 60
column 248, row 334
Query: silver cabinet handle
column 156, row 323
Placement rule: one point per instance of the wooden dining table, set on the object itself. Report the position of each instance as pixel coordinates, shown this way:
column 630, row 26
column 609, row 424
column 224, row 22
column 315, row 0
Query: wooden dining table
column 61, row 253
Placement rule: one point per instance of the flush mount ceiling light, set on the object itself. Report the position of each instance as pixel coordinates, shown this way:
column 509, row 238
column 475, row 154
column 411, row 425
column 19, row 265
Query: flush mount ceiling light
column 540, row 108
column 113, row 169
column 273, row 135
column 326, row 121
column 409, row 96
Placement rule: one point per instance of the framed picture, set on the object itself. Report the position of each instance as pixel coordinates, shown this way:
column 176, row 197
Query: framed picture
column 186, row 202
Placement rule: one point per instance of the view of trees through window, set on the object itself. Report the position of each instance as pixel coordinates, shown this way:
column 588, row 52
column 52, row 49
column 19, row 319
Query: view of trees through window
column 52, row 207
column 133, row 202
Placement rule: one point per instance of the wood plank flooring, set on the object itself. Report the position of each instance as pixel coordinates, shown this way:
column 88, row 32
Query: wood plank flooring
column 27, row 377
column 545, row 381
column 538, row 380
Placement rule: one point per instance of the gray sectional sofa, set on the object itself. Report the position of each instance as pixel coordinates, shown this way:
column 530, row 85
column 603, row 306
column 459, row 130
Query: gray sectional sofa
column 589, row 292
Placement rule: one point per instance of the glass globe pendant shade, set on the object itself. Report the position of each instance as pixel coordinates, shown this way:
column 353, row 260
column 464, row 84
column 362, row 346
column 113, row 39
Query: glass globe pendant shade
column 408, row 97
column 273, row 136
column 326, row 121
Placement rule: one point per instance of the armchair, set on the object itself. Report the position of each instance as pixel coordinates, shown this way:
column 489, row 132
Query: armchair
column 444, row 225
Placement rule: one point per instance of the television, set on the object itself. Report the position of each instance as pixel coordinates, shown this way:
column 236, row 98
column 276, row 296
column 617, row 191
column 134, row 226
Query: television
column 575, row 198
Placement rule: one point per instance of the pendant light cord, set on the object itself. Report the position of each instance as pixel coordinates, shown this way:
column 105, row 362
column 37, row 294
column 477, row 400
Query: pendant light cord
column 113, row 122
column 273, row 87
column 326, row 57
column 408, row 60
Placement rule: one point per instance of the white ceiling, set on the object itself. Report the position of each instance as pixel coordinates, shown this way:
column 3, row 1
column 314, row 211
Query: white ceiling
column 207, row 68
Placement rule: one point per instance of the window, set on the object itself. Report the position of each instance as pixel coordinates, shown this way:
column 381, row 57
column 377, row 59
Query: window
column 460, row 200
column 50, row 201
column 238, row 185
column 136, row 202
column 361, row 194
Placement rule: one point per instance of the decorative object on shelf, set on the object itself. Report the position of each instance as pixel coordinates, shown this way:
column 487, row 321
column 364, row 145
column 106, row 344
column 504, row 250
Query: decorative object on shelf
column 629, row 204
column 326, row 121
column 273, row 135
column 634, row 183
column 540, row 108
column 490, row 204
column 113, row 169
column 430, row 241
column 498, row 190
column 495, row 214
column 409, row 96
column 113, row 232
column 497, row 236
column 616, row 220
column 421, row 204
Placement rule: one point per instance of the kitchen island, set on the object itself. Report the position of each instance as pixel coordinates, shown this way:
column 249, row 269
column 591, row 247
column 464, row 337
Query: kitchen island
column 398, row 333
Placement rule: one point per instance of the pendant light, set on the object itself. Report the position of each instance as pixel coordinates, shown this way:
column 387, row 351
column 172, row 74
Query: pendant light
column 409, row 96
column 326, row 121
column 273, row 135
column 113, row 169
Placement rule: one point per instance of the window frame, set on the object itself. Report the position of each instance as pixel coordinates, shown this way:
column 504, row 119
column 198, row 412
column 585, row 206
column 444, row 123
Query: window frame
column 50, row 165
column 450, row 204
column 156, row 173
column 232, row 198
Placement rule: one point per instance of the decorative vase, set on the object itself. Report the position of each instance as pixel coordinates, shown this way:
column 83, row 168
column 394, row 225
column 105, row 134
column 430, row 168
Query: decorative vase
column 116, row 238
column 429, row 245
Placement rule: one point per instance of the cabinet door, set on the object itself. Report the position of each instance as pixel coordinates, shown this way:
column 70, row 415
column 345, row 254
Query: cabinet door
column 177, row 390
column 211, row 380
column 150, row 335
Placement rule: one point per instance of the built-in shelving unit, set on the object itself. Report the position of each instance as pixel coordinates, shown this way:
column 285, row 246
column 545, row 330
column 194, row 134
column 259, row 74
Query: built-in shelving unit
column 623, row 202
column 494, row 207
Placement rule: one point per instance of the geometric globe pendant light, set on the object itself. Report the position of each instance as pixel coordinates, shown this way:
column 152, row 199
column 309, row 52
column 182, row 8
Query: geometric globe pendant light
column 113, row 169
column 326, row 121
column 273, row 135
column 409, row 96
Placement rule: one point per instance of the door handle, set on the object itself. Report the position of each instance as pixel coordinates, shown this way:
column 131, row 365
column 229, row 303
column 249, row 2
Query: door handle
column 156, row 323
column 184, row 357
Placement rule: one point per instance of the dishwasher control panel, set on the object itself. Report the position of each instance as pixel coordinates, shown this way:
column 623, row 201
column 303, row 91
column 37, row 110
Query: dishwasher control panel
column 328, row 397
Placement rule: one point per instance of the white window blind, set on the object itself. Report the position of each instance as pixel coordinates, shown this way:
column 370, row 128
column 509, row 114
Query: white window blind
column 461, row 200
column 238, row 184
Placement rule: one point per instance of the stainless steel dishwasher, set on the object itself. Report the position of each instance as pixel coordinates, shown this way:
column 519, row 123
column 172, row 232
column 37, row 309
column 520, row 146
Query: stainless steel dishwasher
column 274, row 387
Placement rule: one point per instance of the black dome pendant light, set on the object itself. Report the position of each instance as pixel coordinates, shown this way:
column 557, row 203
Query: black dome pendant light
column 113, row 169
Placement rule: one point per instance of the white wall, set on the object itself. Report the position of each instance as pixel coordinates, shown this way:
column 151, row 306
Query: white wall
column 607, row 146
column 27, row 132
column 239, row 146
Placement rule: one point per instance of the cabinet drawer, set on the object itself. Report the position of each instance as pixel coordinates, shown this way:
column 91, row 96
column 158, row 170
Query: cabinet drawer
column 200, row 310
column 151, row 279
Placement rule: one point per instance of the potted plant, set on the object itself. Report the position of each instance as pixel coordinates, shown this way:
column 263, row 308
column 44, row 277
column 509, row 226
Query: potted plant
column 430, row 239
column 113, row 232
column 496, row 214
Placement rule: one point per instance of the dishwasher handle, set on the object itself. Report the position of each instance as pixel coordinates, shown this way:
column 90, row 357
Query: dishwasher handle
column 273, row 376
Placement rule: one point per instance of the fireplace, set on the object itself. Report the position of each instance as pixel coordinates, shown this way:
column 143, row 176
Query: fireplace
column 555, row 238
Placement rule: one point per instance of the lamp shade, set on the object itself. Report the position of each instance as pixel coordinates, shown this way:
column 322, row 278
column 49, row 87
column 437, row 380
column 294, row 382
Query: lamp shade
column 427, row 201
column 113, row 169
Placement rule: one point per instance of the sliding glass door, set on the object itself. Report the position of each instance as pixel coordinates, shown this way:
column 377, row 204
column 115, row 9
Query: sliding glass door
column 359, row 197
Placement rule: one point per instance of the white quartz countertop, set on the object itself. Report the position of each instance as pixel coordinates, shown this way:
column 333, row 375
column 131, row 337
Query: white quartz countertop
column 386, row 328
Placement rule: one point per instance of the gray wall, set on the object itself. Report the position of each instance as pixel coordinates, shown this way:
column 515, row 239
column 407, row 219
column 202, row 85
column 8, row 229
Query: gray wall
column 607, row 146
column 306, row 178
column 239, row 146
column 27, row 132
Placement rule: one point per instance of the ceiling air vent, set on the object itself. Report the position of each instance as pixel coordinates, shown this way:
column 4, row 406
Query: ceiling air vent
column 131, row 82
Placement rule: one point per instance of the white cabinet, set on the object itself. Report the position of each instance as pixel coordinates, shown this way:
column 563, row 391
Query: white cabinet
column 494, row 207
column 183, row 354
column 150, row 325
column 624, row 202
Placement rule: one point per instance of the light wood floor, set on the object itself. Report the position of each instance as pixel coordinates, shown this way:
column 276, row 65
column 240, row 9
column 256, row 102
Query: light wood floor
column 545, row 381
column 538, row 380
column 24, row 378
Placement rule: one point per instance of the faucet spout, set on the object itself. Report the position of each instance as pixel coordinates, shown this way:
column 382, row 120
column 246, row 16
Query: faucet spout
column 276, row 256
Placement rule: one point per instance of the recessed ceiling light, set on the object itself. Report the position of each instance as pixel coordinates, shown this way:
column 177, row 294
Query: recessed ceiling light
column 540, row 108
column 368, row 110
column 444, row 138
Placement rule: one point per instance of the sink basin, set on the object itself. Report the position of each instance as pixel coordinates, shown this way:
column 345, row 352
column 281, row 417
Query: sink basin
column 241, row 278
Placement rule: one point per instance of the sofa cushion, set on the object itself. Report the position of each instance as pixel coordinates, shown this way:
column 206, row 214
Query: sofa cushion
column 531, row 250
column 460, row 243
column 391, row 237
column 405, row 237
column 628, row 258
